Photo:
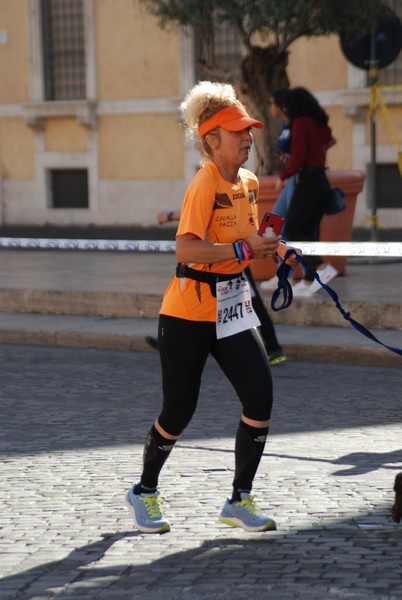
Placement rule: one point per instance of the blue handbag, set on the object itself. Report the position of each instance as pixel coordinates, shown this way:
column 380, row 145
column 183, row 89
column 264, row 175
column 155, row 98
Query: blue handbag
column 335, row 202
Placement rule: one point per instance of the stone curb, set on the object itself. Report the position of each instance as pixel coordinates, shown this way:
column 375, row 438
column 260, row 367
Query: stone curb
column 65, row 302
column 351, row 355
column 310, row 312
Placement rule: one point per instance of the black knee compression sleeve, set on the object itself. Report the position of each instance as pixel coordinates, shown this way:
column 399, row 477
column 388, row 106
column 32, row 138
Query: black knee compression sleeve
column 250, row 444
column 156, row 451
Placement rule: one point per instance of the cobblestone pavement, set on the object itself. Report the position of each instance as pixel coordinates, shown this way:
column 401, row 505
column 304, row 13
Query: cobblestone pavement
column 73, row 424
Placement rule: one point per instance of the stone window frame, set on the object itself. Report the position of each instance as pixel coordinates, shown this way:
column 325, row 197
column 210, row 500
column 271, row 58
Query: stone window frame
column 38, row 109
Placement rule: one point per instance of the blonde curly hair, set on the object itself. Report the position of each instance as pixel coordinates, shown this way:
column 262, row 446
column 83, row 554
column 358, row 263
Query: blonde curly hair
column 203, row 101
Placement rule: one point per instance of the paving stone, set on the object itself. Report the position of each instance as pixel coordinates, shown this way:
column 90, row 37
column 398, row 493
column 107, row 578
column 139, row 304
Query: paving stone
column 74, row 421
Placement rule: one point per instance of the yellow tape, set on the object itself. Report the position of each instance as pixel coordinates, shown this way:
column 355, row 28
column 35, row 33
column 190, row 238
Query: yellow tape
column 376, row 97
column 387, row 118
column 374, row 220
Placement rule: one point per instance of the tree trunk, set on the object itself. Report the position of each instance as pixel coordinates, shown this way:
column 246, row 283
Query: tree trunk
column 263, row 71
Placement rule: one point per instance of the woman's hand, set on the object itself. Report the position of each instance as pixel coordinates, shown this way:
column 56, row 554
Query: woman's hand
column 263, row 246
column 292, row 260
column 162, row 217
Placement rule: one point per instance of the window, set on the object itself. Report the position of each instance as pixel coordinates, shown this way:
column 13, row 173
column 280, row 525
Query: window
column 63, row 49
column 389, row 186
column 221, row 50
column 68, row 188
column 392, row 75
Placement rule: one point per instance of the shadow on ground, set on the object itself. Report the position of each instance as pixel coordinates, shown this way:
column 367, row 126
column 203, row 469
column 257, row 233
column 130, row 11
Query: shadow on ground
column 347, row 557
column 59, row 399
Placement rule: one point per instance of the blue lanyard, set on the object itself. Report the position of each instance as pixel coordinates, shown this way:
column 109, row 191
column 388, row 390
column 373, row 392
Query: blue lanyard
column 285, row 289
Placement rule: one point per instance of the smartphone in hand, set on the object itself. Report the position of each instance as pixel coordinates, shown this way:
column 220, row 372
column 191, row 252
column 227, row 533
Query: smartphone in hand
column 271, row 225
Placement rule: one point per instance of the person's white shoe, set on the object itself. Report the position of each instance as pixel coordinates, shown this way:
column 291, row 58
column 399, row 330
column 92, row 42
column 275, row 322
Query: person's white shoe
column 313, row 288
column 327, row 274
column 269, row 285
column 303, row 289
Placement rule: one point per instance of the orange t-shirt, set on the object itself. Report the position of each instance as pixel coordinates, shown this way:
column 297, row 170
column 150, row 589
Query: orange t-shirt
column 219, row 212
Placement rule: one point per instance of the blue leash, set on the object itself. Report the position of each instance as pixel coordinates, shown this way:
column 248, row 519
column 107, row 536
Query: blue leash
column 285, row 289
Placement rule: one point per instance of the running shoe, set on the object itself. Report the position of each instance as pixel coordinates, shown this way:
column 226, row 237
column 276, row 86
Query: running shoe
column 245, row 514
column 151, row 341
column 277, row 357
column 327, row 274
column 146, row 512
column 269, row 285
column 304, row 289
column 397, row 507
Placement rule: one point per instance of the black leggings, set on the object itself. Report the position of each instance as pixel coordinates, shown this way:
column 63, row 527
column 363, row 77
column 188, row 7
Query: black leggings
column 184, row 347
column 306, row 210
column 266, row 329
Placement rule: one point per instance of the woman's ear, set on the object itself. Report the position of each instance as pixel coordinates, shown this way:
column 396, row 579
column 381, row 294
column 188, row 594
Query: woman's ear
column 213, row 140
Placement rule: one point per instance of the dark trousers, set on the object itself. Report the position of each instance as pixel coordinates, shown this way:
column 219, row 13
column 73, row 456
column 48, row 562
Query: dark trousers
column 306, row 210
column 184, row 347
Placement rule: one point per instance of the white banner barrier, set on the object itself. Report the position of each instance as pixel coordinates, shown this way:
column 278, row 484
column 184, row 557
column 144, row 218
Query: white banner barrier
column 383, row 249
column 110, row 245
column 360, row 249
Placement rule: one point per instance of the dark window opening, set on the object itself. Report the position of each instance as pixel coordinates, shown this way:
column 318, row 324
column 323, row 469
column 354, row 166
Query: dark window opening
column 69, row 188
column 392, row 75
column 63, row 49
column 389, row 186
column 221, row 49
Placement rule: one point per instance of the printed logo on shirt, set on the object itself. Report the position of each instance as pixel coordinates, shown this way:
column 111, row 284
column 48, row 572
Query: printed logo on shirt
column 226, row 220
column 222, row 201
column 238, row 196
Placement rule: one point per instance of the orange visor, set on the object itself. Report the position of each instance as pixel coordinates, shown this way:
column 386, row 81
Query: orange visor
column 233, row 118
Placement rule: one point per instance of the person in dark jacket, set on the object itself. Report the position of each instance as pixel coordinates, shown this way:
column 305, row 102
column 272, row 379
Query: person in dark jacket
column 311, row 138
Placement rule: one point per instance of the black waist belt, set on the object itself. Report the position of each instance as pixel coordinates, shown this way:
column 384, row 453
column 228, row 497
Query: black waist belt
column 210, row 278
column 311, row 169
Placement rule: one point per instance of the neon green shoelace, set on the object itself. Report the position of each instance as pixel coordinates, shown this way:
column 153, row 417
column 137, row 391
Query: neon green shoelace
column 250, row 506
column 152, row 506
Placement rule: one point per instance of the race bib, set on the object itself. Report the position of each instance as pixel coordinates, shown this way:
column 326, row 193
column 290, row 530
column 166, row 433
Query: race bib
column 234, row 310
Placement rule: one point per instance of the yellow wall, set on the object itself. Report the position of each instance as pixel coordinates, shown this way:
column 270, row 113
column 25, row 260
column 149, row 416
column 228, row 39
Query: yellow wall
column 65, row 135
column 16, row 149
column 340, row 156
column 135, row 58
column 13, row 55
column 382, row 130
column 318, row 64
column 140, row 147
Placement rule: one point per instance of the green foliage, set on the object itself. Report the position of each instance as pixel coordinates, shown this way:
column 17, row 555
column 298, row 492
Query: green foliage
column 267, row 28
column 282, row 20
column 195, row 13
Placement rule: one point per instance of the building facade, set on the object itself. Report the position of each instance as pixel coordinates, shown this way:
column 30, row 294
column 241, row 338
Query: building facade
column 89, row 131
